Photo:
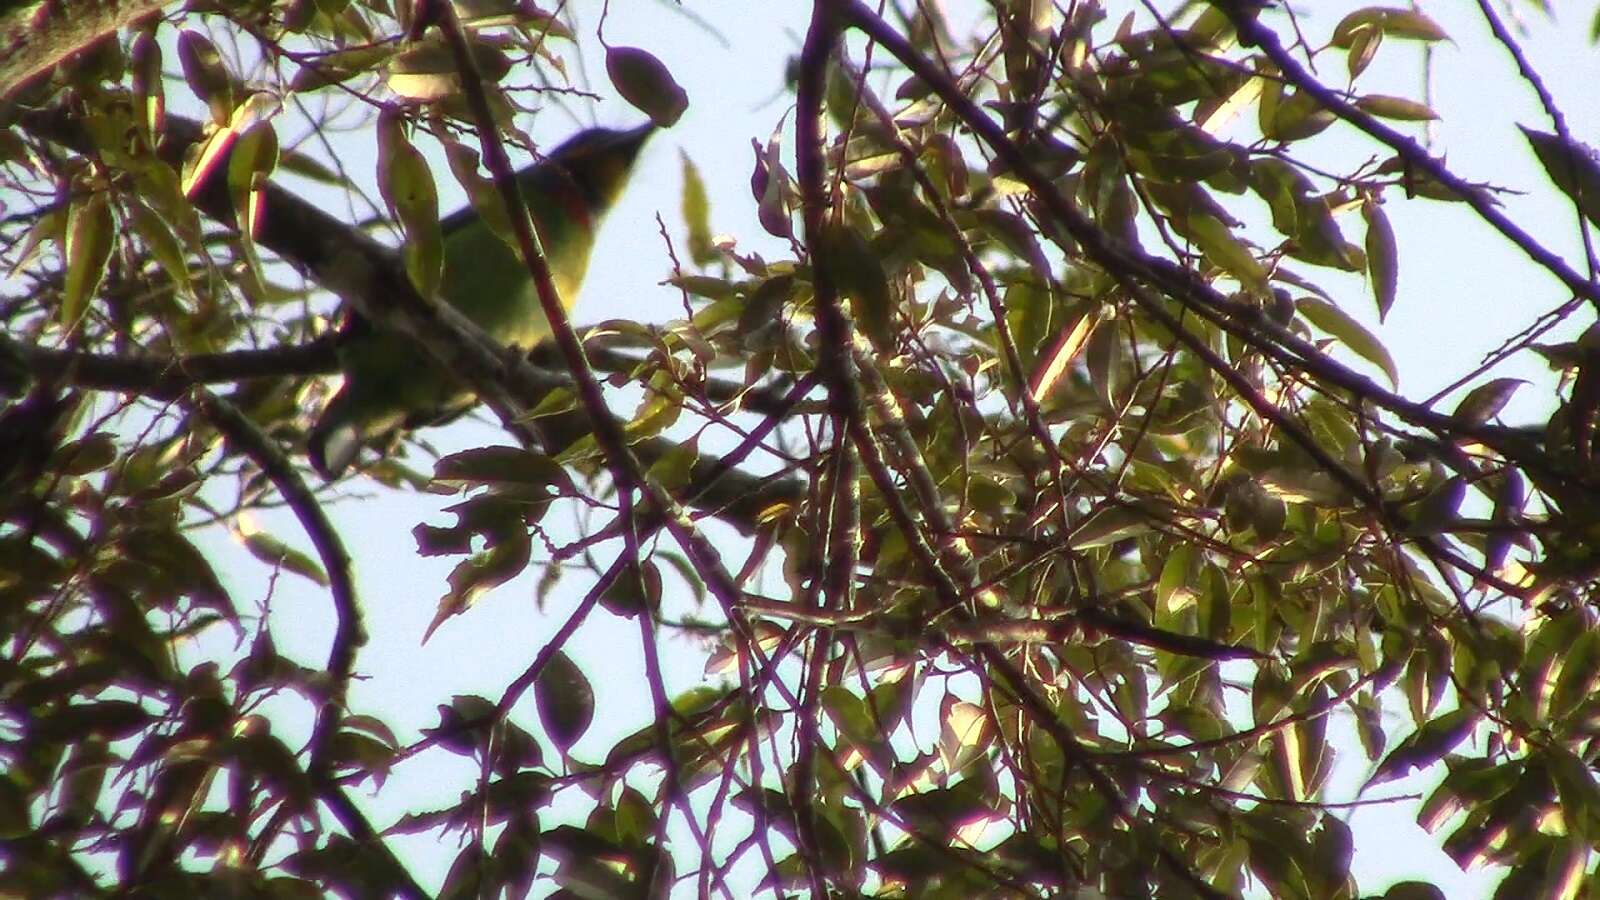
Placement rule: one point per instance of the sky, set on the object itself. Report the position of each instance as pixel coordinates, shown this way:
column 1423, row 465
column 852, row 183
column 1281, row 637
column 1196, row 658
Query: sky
column 1462, row 289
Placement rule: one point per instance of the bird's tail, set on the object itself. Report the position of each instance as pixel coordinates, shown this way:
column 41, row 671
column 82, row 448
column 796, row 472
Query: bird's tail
column 337, row 437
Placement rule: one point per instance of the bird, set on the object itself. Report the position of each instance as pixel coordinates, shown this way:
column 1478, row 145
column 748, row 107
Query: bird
column 390, row 385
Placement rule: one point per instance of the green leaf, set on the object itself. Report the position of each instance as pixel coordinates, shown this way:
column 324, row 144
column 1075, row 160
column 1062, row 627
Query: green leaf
column 1400, row 108
column 1426, row 746
column 1351, row 333
column 858, row 272
column 274, row 552
column 406, row 182
column 1383, row 256
column 1485, row 401
column 565, row 700
column 697, row 214
column 86, row 249
column 1225, row 251
column 1574, row 167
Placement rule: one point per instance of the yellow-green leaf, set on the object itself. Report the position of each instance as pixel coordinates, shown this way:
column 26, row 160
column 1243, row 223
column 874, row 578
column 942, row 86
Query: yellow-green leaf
column 1227, row 252
column 406, row 182
column 87, row 248
column 697, row 214
column 162, row 243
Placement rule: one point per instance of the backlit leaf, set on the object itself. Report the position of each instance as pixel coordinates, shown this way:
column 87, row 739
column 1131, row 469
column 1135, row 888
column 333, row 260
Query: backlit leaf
column 1383, row 257
column 644, row 81
column 1351, row 333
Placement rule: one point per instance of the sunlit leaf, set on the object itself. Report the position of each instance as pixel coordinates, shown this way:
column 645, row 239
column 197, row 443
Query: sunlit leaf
column 87, row 249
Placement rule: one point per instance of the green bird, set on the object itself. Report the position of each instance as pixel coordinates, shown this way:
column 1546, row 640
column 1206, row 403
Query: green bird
column 390, row 384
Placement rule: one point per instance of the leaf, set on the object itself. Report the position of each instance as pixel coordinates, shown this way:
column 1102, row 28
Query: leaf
column 87, row 249
column 274, row 552
column 1383, row 256
column 1574, row 167
column 1364, row 44
column 858, row 272
column 1055, row 362
column 966, row 731
column 1297, row 117
column 565, row 700
column 1108, row 526
column 1580, row 674
column 645, row 82
column 162, row 243
column 1399, row 108
column 1351, row 333
column 207, row 77
column 1227, row 252
column 697, row 214
column 1485, row 401
column 1399, row 23
column 406, row 182
column 1426, row 746
column 425, row 72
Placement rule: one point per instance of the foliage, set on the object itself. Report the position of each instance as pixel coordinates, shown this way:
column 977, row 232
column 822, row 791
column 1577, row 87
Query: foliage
column 1079, row 463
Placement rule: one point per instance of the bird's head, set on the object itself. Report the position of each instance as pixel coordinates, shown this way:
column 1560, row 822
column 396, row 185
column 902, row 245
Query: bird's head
column 596, row 162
